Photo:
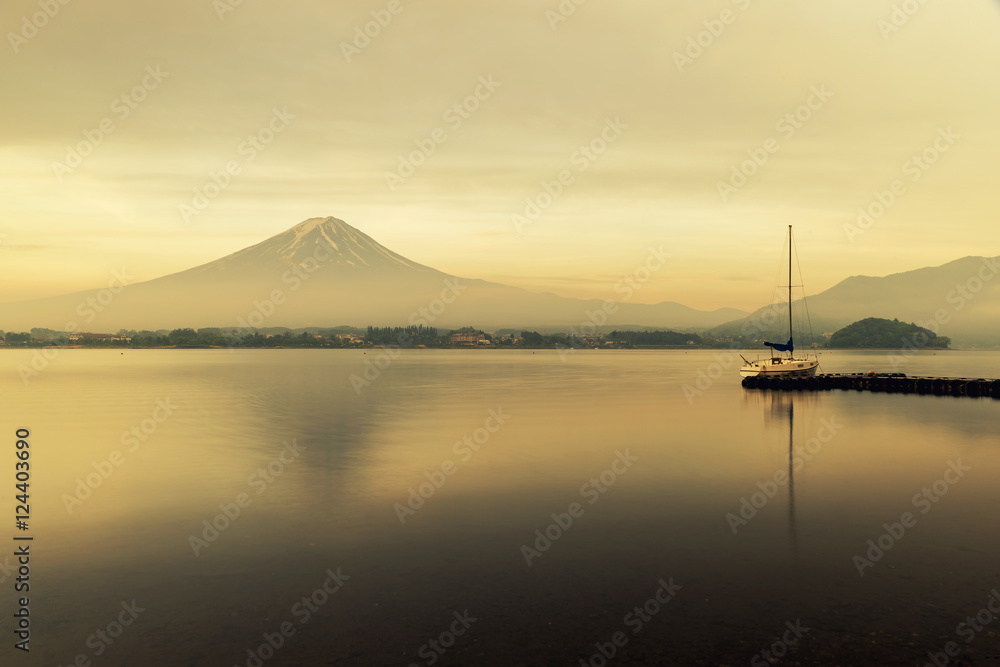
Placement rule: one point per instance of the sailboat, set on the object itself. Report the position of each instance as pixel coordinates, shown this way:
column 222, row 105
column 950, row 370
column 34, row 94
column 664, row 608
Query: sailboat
column 777, row 365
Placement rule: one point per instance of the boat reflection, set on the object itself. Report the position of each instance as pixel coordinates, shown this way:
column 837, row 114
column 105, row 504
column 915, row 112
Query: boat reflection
column 777, row 410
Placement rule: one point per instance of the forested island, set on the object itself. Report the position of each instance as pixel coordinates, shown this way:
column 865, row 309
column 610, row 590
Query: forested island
column 877, row 333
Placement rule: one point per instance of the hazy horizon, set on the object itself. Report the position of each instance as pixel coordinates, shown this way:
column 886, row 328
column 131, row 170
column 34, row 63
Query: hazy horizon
column 569, row 172
column 333, row 115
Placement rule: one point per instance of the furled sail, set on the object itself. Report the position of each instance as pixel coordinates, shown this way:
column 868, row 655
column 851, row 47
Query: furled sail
column 787, row 347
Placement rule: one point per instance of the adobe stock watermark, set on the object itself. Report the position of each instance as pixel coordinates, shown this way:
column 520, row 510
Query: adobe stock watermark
column 248, row 150
column 924, row 501
column 914, row 169
column 230, row 512
column 433, row 650
column 635, row 620
column 302, row 611
column 294, row 278
column 749, row 508
column 365, row 34
column 698, row 44
column 7, row 569
column 121, row 108
column 455, row 117
column 31, row 25
column 592, row 490
column 89, row 308
column 562, row 13
column 779, row 649
column 627, row 287
column 899, row 17
column 968, row 629
column 580, row 160
column 916, row 342
column 103, row 638
column 465, row 448
column 223, row 7
column 706, row 377
column 723, row 361
column 958, row 298
column 133, row 438
column 423, row 316
column 758, row 156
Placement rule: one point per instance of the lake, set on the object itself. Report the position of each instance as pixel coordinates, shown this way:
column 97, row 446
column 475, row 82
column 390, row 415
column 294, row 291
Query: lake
column 466, row 507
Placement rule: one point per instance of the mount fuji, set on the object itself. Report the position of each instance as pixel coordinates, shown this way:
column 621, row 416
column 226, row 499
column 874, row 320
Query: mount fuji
column 324, row 272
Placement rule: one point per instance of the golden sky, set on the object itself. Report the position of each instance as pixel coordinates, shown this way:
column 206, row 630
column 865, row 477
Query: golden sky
column 312, row 117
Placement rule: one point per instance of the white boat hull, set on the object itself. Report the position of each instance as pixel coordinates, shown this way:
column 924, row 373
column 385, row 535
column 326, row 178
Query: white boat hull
column 780, row 367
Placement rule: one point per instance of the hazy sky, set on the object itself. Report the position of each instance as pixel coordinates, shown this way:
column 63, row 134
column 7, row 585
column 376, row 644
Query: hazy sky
column 184, row 85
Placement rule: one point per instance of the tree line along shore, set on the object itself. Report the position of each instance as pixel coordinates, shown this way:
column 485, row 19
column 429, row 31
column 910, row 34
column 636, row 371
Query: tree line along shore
column 870, row 333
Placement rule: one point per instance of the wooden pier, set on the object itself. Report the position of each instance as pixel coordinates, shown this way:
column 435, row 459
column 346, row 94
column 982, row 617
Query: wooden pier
column 889, row 383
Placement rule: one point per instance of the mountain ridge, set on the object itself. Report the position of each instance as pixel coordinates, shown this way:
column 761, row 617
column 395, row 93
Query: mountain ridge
column 324, row 272
column 959, row 298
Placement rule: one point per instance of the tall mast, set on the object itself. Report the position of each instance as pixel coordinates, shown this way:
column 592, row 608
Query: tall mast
column 789, row 283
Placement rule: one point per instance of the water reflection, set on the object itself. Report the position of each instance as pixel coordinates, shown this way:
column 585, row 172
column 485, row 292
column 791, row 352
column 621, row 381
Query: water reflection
column 364, row 451
column 791, row 478
column 778, row 409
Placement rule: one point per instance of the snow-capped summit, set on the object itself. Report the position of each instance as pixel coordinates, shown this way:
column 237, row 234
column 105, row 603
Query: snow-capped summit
column 328, row 241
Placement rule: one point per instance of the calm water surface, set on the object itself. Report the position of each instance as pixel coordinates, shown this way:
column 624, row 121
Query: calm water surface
column 647, row 478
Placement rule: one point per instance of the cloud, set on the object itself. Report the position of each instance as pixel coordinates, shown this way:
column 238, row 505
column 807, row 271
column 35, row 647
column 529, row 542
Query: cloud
column 356, row 118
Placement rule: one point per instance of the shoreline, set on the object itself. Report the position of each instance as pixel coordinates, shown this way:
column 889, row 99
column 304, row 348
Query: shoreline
column 636, row 348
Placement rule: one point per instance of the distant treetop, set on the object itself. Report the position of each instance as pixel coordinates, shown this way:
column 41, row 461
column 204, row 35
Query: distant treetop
column 877, row 333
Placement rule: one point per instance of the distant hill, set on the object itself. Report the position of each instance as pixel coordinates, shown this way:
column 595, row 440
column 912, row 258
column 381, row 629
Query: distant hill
column 325, row 273
column 877, row 333
column 960, row 299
